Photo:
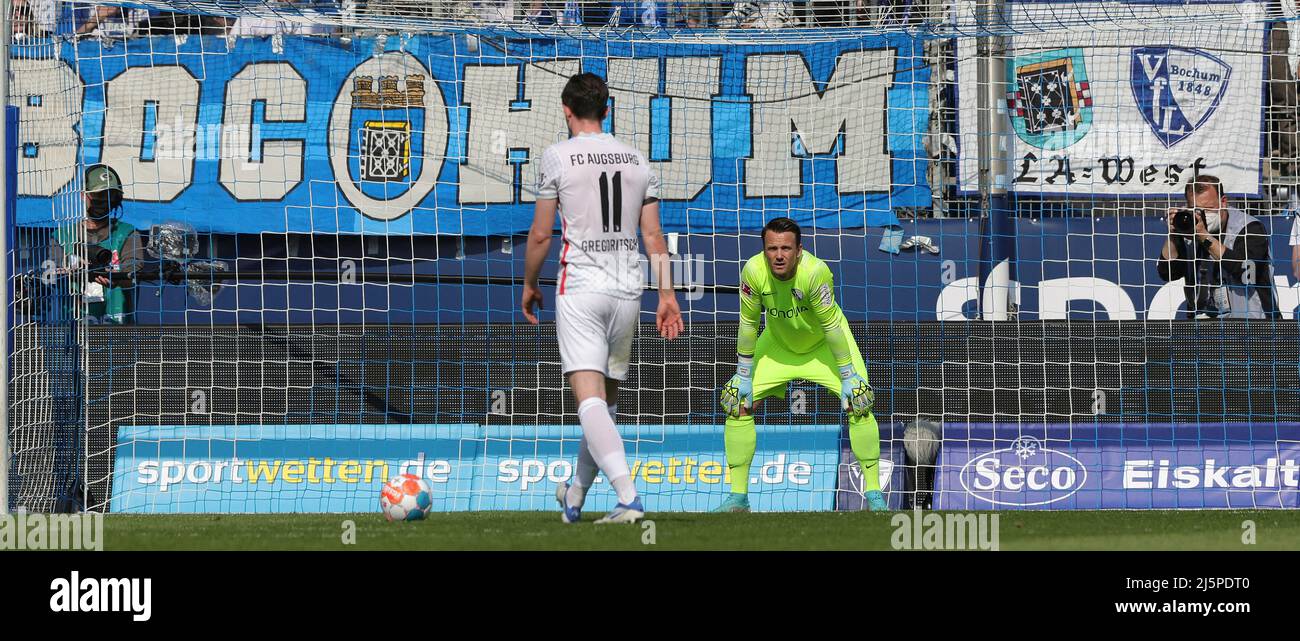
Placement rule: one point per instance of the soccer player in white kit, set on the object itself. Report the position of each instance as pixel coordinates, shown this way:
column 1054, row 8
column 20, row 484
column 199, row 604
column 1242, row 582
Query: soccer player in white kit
column 604, row 191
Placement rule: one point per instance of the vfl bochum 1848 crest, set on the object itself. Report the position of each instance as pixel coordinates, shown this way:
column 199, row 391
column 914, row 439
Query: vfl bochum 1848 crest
column 388, row 124
column 1177, row 90
column 1050, row 104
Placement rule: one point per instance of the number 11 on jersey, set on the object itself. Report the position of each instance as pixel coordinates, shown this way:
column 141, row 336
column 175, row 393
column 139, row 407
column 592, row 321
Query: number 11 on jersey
column 617, row 201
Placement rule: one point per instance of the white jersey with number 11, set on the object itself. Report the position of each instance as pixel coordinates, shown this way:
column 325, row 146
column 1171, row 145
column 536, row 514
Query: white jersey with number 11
column 601, row 185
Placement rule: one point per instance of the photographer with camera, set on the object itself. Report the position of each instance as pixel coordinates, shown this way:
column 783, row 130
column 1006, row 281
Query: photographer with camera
column 1221, row 252
column 101, row 253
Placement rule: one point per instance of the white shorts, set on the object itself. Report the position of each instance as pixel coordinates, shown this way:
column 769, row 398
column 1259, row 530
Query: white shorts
column 595, row 333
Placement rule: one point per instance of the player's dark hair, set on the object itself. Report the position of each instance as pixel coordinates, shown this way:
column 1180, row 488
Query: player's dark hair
column 781, row 226
column 586, row 96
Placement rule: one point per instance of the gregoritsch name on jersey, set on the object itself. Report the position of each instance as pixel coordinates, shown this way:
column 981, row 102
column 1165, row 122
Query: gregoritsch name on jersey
column 611, row 245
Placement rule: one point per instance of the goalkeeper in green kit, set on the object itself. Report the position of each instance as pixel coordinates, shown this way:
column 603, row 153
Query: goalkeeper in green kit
column 805, row 337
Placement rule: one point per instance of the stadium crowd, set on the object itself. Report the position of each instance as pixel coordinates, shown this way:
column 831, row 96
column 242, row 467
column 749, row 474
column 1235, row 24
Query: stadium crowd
column 42, row 18
column 688, row 14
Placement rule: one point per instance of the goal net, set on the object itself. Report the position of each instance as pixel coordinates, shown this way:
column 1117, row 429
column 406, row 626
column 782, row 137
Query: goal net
column 313, row 281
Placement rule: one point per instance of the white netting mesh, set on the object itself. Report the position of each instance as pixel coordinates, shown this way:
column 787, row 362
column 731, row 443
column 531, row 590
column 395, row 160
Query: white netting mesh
column 330, row 203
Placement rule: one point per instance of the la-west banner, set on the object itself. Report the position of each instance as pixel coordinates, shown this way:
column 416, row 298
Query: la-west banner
column 1129, row 110
column 441, row 134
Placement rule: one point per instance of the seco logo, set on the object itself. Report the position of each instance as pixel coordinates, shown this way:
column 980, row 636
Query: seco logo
column 1024, row 474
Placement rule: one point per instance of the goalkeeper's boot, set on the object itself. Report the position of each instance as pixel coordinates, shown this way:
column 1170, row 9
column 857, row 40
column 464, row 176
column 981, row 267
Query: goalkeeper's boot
column 876, row 501
column 734, row 503
column 568, row 514
column 625, row 513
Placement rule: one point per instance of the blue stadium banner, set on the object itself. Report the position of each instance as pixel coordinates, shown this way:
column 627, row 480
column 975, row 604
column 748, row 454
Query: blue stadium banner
column 341, row 468
column 440, row 134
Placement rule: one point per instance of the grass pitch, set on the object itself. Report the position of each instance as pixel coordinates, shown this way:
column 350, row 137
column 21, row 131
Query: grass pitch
column 1074, row 530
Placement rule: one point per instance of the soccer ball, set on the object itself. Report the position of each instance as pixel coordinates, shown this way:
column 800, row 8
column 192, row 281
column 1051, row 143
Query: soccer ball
column 406, row 498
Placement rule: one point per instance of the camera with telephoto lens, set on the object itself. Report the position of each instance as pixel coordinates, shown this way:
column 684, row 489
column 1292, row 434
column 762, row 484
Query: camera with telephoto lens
column 1185, row 220
column 100, row 260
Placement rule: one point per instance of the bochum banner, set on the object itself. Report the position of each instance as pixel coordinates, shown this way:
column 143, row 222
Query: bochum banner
column 440, row 134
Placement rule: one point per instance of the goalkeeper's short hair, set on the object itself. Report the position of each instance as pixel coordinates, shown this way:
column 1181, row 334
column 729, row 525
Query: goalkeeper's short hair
column 782, row 225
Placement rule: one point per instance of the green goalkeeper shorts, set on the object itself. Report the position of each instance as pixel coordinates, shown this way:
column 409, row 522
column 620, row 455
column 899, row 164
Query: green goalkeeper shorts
column 775, row 366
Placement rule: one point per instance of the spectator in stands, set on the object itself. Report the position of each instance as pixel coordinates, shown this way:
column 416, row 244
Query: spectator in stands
column 473, row 11
column 592, row 13
column 693, row 14
column 507, row 11
column 618, row 13
column 893, row 13
column 541, row 11
column 493, row 11
column 766, row 14
column 32, row 19
column 833, row 13
column 106, row 251
column 112, row 21
column 258, row 26
column 152, row 23
column 167, row 23
column 597, row 13
column 408, row 9
column 636, row 13
column 1221, row 252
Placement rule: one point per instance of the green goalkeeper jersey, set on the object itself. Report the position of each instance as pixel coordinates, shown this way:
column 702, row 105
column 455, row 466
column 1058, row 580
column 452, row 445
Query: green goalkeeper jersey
column 800, row 312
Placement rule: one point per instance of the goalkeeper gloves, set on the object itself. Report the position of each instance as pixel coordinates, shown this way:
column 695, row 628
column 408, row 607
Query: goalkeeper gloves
column 856, row 395
column 740, row 389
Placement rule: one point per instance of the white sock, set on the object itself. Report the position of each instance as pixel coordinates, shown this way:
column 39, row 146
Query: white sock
column 606, row 447
column 625, row 489
column 586, row 470
column 583, row 475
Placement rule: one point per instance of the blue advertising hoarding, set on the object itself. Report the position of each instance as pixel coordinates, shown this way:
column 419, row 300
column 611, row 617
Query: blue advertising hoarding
column 340, row 468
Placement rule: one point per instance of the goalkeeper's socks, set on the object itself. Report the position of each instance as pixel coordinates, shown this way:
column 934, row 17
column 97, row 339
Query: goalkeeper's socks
column 740, row 439
column 606, row 446
column 586, row 470
column 864, row 438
